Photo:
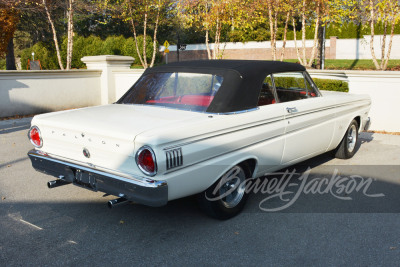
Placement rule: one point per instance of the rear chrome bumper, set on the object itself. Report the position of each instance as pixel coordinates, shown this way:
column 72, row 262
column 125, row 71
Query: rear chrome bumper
column 139, row 189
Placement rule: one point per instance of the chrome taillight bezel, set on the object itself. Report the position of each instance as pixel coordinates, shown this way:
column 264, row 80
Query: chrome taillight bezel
column 153, row 155
column 40, row 136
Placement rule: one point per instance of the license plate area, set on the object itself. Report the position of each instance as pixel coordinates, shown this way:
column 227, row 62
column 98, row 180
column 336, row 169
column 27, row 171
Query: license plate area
column 85, row 179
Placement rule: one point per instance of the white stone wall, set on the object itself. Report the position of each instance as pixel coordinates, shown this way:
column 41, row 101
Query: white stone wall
column 247, row 45
column 32, row 92
column 124, row 79
column 345, row 48
column 360, row 48
column 382, row 86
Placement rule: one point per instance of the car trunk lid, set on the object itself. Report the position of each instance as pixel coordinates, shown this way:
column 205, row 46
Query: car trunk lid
column 106, row 132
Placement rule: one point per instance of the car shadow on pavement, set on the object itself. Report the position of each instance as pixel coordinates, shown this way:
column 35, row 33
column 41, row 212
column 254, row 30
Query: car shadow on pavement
column 11, row 126
column 365, row 137
column 7, row 164
column 330, row 189
column 87, row 232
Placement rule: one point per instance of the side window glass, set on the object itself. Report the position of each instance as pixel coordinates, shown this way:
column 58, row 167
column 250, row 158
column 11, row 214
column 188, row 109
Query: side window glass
column 266, row 94
column 291, row 86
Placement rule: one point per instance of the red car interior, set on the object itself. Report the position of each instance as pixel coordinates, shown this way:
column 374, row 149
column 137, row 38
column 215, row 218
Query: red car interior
column 193, row 100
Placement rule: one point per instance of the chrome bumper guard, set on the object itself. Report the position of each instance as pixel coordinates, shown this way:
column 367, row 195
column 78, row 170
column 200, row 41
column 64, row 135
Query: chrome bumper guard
column 138, row 189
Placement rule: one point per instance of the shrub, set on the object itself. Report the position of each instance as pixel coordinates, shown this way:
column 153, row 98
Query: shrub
column 322, row 84
column 2, row 63
column 44, row 53
column 332, row 85
column 90, row 46
column 129, row 49
column 113, row 45
column 93, row 46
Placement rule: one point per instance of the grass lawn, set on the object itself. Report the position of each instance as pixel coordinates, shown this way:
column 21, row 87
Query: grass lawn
column 361, row 64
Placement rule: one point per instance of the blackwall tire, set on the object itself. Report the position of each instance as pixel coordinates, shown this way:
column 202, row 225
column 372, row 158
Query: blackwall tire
column 227, row 197
column 347, row 147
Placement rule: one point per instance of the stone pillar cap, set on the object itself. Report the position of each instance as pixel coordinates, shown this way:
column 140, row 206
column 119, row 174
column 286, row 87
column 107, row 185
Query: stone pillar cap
column 107, row 58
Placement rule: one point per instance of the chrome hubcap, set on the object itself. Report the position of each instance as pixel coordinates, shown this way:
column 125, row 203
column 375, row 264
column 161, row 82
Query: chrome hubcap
column 351, row 138
column 233, row 188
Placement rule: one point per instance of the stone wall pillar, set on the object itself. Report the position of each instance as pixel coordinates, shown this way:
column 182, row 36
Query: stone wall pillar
column 332, row 49
column 107, row 64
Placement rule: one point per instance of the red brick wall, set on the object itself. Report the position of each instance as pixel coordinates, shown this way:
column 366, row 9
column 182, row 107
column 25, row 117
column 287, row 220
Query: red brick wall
column 255, row 54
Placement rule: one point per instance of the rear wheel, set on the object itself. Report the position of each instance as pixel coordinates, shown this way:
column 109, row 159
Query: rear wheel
column 227, row 197
column 347, row 147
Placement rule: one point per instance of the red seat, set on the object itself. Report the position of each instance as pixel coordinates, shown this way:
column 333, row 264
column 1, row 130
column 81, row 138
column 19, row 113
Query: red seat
column 193, row 100
column 196, row 100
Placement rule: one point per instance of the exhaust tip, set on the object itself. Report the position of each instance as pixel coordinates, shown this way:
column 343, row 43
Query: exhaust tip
column 56, row 183
column 51, row 184
column 116, row 202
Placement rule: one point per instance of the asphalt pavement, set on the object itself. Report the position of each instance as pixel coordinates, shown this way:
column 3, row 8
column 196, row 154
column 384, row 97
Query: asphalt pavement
column 356, row 221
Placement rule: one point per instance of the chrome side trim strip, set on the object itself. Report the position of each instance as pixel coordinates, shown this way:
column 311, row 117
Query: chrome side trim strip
column 265, row 122
column 323, row 119
column 231, row 130
column 225, row 153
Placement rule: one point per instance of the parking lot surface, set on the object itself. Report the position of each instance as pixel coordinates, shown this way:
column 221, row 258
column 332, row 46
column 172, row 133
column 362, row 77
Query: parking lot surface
column 72, row 226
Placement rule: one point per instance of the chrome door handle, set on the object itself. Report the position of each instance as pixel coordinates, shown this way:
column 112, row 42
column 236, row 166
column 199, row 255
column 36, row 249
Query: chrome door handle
column 291, row 110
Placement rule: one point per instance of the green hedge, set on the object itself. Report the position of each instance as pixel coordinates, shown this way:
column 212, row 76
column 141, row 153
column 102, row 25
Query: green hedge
column 2, row 63
column 331, row 85
column 44, row 53
column 322, row 84
column 90, row 46
column 347, row 30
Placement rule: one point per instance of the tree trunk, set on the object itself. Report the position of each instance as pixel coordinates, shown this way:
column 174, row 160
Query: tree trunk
column 275, row 32
column 144, row 41
column 10, row 58
column 315, row 37
column 208, row 45
column 390, row 44
column 371, row 44
column 70, row 42
column 303, row 28
column 53, row 29
column 272, row 30
column 153, row 58
column 383, row 43
column 134, row 34
column 295, row 42
column 285, row 35
column 216, row 42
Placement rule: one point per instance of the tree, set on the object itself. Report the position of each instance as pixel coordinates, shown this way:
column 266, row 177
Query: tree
column 46, row 7
column 275, row 12
column 212, row 16
column 70, row 13
column 9, row 18
column 142, row 16
column 311, row 10
column 386, row 12
column 287, row 8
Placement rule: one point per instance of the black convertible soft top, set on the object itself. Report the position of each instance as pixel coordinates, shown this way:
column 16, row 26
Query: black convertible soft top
column 242, row 82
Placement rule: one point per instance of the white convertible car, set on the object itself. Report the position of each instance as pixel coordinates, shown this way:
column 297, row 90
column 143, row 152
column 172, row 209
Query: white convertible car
column 199, row 127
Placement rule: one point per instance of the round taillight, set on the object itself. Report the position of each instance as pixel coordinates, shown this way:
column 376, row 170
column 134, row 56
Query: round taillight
column 146, row 161
column 35, row 136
